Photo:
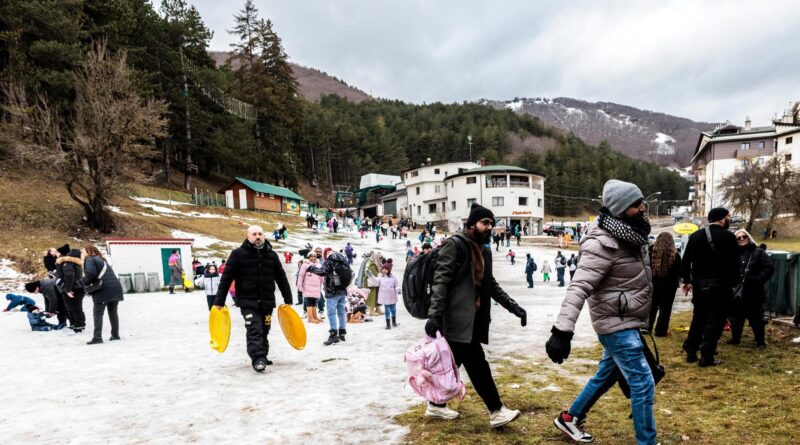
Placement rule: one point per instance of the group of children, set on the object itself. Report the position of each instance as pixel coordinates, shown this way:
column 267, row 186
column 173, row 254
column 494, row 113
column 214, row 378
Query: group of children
column 36, row 318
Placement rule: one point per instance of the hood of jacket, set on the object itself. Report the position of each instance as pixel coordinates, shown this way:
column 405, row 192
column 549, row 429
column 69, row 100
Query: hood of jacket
column 70, row 259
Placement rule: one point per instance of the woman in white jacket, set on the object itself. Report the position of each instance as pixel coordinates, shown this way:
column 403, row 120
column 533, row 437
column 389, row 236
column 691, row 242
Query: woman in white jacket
column 211, row 284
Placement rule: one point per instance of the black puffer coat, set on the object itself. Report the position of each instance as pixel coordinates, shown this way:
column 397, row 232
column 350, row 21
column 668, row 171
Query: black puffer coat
column 758, row 272
column 112, row 289
column 256, row 273
column 326, row 270
column 69, row 270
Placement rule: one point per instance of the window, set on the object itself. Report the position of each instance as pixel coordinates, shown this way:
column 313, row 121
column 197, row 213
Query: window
column 761, row 145
column 523, row 201
column 760, row 161
column 418, row 190
column 415, row 173
column 435, row 171
column 419, row 210
column 745, row 162
column 437, row 188
column 472, row 180
column 451, row 184
column 745, row 146
column 497, row 201
column 788, row 140
column 470, row 202
column 444, row 207
column 431, row 208
column 452, row 205
column 788, row 157
column 539, row 202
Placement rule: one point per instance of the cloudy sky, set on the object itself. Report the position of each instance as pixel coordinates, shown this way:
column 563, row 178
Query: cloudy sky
column 707, row 61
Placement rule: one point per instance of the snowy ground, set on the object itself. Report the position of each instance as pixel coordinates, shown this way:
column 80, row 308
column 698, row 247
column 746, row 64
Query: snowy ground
column 163, row 384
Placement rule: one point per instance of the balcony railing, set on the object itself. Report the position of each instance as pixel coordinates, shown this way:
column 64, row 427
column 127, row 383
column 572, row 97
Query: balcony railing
column 495, row 184
column 520, row 184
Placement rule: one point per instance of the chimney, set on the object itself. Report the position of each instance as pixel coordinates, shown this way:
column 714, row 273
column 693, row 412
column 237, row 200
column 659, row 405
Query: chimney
column 428, row 161
column 483, row 162
column 747, row 123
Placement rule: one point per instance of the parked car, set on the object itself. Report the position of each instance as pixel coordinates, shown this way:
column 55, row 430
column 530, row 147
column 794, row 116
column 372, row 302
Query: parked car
column 553, row 230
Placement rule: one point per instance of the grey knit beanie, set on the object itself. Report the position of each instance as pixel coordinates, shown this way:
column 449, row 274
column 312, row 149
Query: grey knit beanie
column 619, row 195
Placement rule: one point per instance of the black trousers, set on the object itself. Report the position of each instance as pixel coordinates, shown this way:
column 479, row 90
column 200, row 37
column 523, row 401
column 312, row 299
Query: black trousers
column 113, row 318
column 750, row 309
column 75, row 313
column 472, row 357
column 59, row 308
column 257, row 322
column 661, row 307
column 529, row 277
column 708, row 319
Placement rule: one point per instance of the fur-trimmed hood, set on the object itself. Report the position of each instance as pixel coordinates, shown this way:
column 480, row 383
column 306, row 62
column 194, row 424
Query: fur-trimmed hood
column 69, row 259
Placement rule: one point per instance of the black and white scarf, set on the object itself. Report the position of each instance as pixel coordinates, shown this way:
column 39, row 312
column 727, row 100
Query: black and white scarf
column 624, row 230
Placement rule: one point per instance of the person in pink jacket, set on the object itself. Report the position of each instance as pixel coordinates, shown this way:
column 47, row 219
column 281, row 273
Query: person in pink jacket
column 387, row 295
column 309, row 285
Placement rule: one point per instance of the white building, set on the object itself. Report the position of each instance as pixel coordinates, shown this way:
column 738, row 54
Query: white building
column 148, row 255
column 728, row 148
column 444, row 194
column 396, row 203
column 425, row 190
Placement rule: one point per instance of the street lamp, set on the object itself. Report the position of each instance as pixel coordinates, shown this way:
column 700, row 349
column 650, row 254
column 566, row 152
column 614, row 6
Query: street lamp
column 469, row 141
column 648, row 198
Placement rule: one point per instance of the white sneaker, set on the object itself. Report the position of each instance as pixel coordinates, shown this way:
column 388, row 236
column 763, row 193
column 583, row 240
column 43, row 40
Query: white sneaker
column 440, row 412
column 573, row 427
column 502, row 417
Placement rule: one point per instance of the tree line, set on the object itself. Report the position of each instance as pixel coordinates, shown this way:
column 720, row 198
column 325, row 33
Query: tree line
column 48, row 47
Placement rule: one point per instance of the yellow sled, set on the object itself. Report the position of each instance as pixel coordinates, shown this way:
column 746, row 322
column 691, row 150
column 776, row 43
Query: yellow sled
column 292, row 326
column 219, row 326
column 187, row 283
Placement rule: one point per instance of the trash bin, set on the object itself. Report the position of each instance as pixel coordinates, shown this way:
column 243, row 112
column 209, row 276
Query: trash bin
column 139, row 282
column 153, row 282
column 126, row 282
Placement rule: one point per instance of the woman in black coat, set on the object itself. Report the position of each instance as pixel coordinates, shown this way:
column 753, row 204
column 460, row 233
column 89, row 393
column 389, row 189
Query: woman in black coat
column 108, row 296
column 666, row 265
column 755, row 269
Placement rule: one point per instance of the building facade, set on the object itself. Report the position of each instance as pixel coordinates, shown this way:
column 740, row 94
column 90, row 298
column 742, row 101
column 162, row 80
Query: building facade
column 425, row 190
column 251, row 195
column 729, row 148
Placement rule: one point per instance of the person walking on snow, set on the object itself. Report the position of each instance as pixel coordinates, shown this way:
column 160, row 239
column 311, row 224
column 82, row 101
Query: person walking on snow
column 310, row 286
column 572, row 265
column 387, row 294
column 546, row 271
column 561, row 265
column 511, row 255
column 614, row 277
column 530, row 268
column 69, row 270
column 338, row 276
column 463, row 287
column 257, row 270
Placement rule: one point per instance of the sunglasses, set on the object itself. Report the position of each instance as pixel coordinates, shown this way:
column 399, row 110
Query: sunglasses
column 741, row 237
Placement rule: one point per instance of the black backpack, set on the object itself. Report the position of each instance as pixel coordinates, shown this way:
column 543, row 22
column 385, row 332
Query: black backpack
column 341, row 277
column 418, row 281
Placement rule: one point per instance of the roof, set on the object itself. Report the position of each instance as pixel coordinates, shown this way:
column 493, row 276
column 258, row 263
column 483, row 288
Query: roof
column 394, row 195
column 266, row 188
column 741, row 135
column 496, row 169
column 151, row 241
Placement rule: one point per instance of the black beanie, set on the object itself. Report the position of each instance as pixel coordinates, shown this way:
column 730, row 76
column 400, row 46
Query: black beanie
column 63, row 250
column 478, row 212
column 31, row 287
column 717, row 214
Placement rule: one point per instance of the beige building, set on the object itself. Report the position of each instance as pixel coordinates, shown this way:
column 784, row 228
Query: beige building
column 729, row 147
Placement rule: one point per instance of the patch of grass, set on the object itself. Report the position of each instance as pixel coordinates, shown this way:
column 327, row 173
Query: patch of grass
column 752, row 398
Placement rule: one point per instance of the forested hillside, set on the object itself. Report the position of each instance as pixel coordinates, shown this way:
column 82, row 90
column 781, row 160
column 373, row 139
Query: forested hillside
column 250, row 120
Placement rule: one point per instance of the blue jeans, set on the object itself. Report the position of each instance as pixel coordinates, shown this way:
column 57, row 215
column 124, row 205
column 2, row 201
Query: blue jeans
column 622, row 355
column 336, row 311
column 560, row 275
column 390, row 309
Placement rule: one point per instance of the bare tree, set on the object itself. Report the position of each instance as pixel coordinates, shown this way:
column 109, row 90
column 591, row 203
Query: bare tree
column 745, row 192
column 101, row 144
column 782, row 183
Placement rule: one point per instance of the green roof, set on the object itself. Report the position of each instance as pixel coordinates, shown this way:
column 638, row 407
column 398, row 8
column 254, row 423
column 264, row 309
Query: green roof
column 496, row 168
column 270, row 189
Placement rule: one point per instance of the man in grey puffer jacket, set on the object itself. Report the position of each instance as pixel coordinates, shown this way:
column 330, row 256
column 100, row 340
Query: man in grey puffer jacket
column 614, row 276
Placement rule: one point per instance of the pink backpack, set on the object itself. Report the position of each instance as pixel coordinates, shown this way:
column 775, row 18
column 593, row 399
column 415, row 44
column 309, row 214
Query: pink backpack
column 432, row 371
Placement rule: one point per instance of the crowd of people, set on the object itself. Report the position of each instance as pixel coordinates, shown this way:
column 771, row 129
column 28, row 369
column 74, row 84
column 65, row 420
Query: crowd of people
column 629, row 284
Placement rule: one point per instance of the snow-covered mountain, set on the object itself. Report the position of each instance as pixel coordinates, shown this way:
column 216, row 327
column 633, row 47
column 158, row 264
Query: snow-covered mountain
column 665, row 139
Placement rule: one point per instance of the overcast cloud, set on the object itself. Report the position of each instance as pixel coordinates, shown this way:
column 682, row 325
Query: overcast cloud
column 708, row 61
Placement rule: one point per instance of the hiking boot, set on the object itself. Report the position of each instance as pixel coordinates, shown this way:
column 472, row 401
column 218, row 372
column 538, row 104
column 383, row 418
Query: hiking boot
column 440, row 412
column 573, row 427
column 502, row 417
column 733, row 342
column 260, row 364
column 691, row 356
column 114, row 337
column 342, row 332
column 333, row 338
column 94, row 341
column 388, row 324
column 761, row 346
column 708, row 362
column 394, row 321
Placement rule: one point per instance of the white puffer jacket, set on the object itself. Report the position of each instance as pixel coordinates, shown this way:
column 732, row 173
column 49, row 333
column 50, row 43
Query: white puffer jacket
column 615, row 277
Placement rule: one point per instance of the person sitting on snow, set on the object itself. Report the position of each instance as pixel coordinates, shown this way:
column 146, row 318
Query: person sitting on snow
column 38, row 321
column 356, row 307
column 17, row 300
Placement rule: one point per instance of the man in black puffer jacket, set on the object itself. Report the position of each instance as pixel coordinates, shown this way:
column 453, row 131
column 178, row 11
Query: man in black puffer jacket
column 256, row 269
column 69, row 270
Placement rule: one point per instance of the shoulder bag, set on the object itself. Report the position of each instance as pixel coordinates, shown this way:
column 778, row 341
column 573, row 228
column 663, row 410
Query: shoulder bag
column 98, row 284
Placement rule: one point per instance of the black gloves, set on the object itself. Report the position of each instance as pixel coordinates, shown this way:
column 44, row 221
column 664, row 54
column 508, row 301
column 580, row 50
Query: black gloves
column 517, row 310
column 558, row 347
column 288, row 301
column 433, row 325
